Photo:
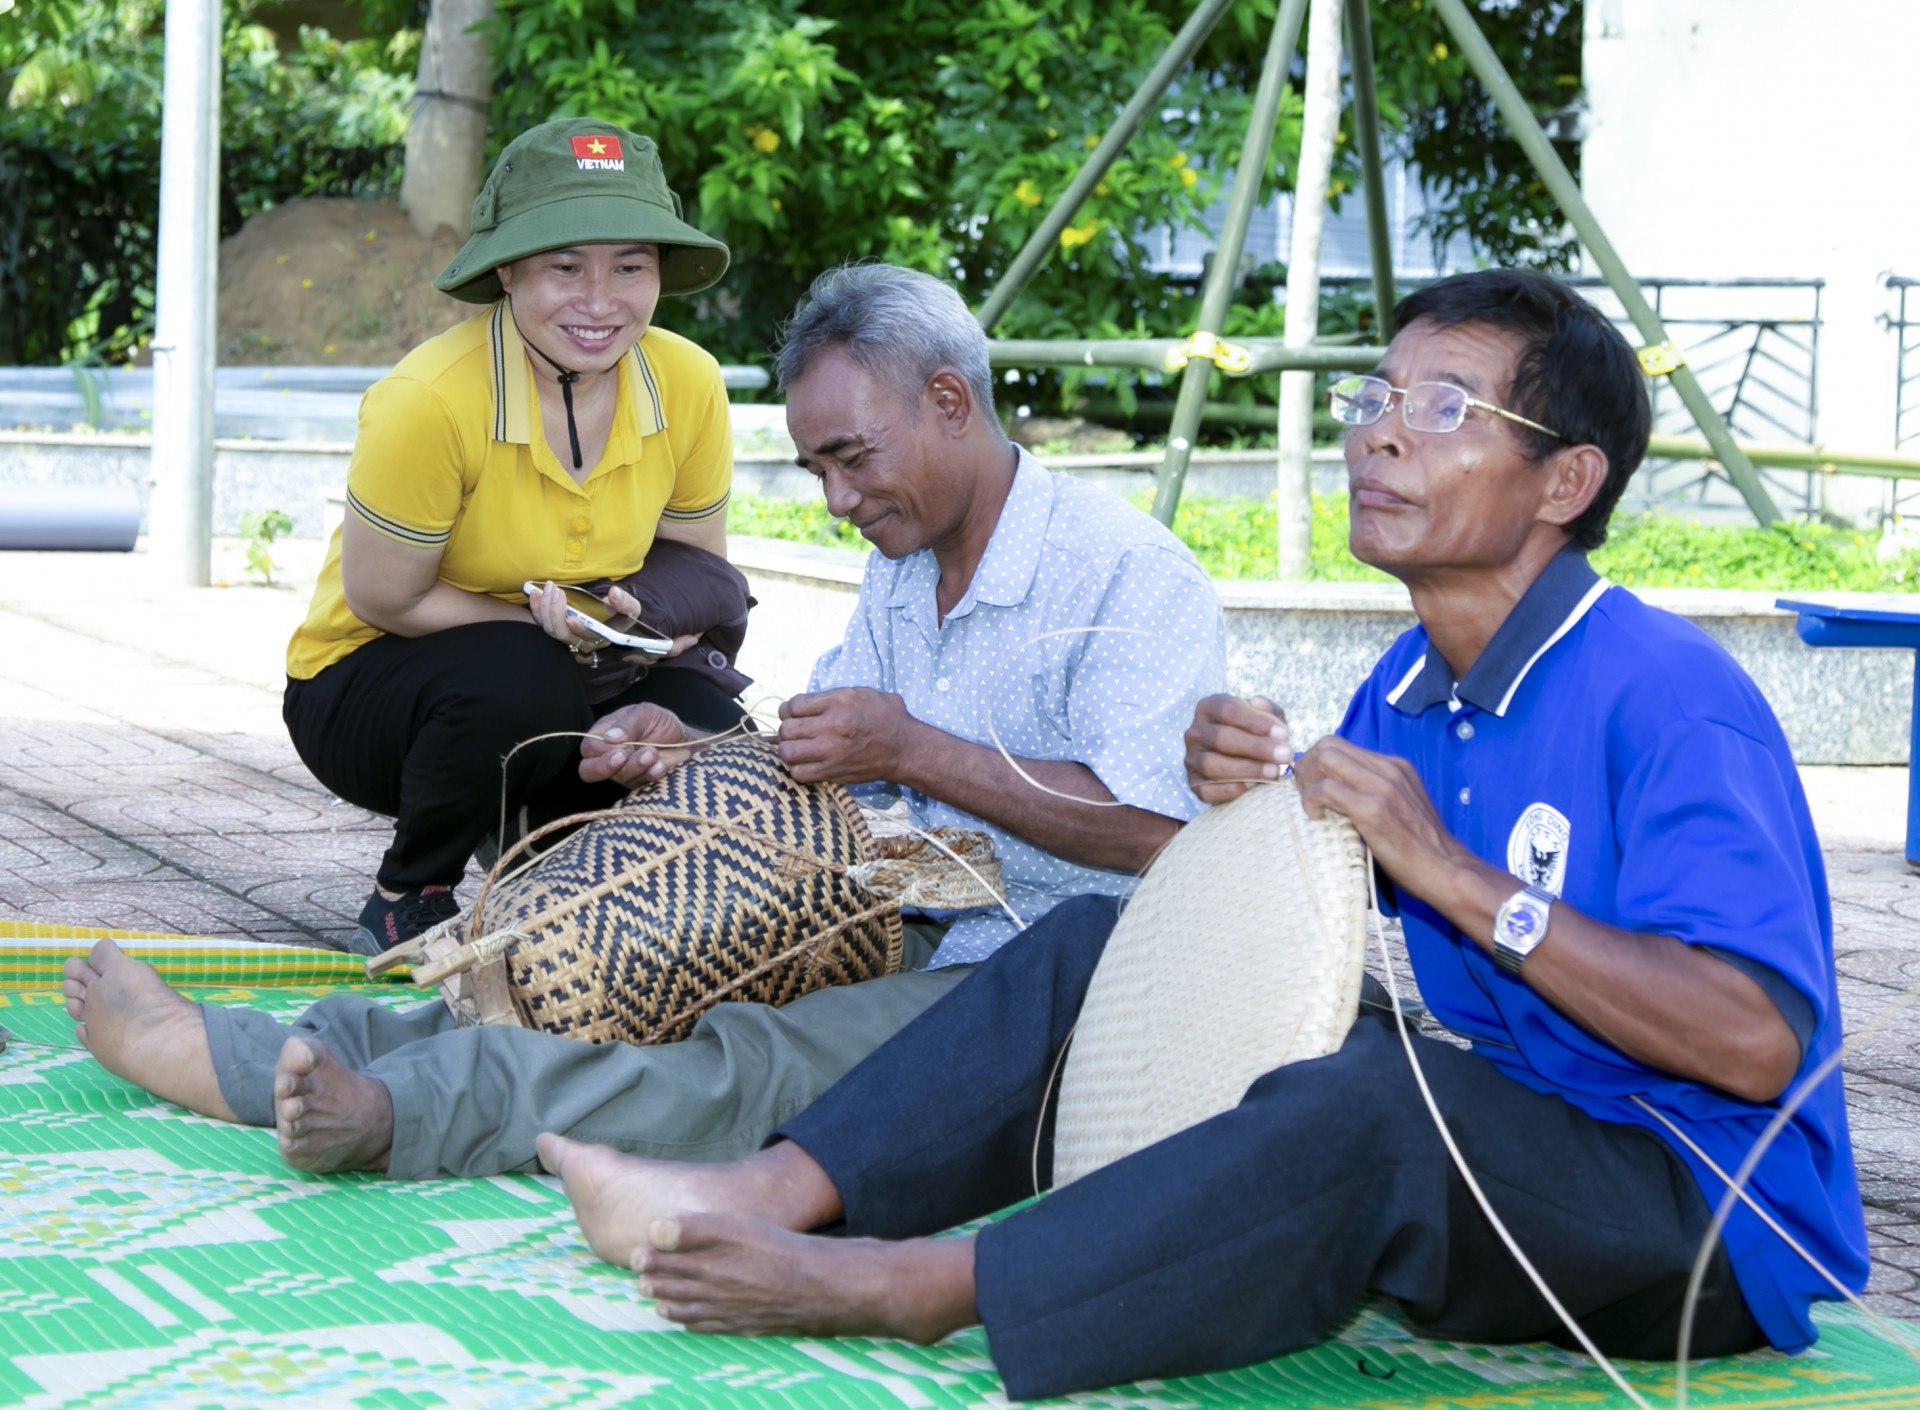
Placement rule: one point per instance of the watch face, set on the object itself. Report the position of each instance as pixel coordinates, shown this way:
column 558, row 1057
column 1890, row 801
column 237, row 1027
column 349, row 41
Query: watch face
column 1522, row 923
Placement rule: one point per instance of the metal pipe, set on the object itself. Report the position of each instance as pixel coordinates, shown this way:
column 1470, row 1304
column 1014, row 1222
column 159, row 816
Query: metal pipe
column 72, row 518
column 1042, row 242
column 1373, row 179
column 1225, row 274
column 1320, row 96
column 1789, row 457
column 188, row 265
column 1150, row 354
column 1561, row 185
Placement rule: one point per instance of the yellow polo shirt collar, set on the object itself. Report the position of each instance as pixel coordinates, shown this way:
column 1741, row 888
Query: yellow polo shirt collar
column 641, row 411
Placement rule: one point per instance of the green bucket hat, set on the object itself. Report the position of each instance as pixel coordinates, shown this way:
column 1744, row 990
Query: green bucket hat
column 578, row 181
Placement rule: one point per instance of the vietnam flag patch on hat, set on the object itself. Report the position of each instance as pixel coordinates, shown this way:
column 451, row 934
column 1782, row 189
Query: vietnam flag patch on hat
column 598, row 153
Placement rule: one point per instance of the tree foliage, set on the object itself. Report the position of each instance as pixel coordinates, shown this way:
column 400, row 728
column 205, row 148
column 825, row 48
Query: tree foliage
column 80, row 155
column 934, row 133
column 937, row 133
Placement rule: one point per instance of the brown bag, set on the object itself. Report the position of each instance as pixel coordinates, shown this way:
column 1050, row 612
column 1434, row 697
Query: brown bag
column 682, row 591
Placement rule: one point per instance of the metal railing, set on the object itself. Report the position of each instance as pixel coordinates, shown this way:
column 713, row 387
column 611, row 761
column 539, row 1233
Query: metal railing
column 1904, row 324
column 1754, row 344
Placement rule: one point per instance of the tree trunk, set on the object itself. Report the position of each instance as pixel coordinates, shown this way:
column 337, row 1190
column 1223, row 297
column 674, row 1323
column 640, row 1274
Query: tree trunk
column 448, row 136
column 1321, row 122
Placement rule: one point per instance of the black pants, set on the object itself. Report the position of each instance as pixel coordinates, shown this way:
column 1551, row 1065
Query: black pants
column 1256, row 1232
column 415, row 728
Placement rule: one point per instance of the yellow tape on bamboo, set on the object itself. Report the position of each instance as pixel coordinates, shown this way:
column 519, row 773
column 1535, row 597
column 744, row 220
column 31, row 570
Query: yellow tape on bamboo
column 1660, row 359
column 1230, row 358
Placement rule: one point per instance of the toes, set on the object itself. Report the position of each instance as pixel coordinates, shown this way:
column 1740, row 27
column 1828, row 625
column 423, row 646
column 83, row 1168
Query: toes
column 103, row 954
column 298, row 1058
column 555, row 1152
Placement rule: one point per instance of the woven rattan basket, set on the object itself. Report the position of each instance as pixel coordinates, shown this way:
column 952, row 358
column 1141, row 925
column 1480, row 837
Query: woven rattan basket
column 1241, row 951
column 727, row 880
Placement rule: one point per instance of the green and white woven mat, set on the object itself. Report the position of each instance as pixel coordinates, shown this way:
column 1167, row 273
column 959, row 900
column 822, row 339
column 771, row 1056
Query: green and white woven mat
column 151, row 1258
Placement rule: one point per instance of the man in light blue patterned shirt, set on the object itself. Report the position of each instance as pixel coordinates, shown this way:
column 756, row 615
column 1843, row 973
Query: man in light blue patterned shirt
column 1012, row 656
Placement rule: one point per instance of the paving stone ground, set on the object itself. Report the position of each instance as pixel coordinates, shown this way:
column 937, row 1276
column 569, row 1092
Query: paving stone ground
column 146, row 783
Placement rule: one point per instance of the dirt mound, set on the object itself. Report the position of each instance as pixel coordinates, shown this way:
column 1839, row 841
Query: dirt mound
column 331, row 280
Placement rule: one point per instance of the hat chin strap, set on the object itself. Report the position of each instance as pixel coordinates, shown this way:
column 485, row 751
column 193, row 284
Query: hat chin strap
column 566, row 379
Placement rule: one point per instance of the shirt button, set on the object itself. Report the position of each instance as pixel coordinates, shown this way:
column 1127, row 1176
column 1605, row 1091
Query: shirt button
column 580, row 524
column 943, row 685
column 1466, row 795
column 573, row 546
column 1464, row 730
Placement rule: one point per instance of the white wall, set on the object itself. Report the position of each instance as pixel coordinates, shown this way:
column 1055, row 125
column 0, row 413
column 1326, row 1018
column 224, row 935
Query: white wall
column 1743, row 138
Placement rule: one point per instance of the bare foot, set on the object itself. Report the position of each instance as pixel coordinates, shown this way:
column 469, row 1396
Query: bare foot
column 142, row 1030
column 741, row 1276
column 329, row 1117
column 617, row 1196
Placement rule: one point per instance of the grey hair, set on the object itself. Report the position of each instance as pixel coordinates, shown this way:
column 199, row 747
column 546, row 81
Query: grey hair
column 898, row 324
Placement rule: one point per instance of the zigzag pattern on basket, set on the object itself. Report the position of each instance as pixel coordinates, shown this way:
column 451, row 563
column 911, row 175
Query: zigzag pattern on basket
column 726, row 880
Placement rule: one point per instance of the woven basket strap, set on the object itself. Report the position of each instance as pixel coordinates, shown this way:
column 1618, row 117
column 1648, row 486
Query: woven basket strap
column 815, row 943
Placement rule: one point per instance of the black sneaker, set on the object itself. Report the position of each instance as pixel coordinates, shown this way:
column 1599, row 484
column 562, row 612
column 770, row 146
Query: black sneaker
column 384, row 923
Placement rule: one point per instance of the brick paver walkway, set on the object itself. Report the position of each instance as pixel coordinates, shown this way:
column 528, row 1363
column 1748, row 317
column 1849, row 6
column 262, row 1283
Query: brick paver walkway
column 146, row 783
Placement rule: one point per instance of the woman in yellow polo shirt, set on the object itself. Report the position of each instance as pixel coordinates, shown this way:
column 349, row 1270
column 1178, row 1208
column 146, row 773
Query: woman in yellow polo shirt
column 551, row 439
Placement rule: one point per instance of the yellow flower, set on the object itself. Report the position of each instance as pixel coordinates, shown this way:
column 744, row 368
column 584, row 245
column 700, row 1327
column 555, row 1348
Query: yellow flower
column 1177, row 160
column 1091, row 142
column 1027, row 194
column 775, row 203
column 764, row 139
column 1078, row 234
column 1188, row 176
column 1103, row 189
column 306, row 283
column 373, row 235
column 281, row 259
column 1051, row 134
column 1439, row 53
column 327, row 350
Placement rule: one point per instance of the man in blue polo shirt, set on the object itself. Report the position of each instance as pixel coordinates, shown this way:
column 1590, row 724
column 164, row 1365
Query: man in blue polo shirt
column 1610, row 885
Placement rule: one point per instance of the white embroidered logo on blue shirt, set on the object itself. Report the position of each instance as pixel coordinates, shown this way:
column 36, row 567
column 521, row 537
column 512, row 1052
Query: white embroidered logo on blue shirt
column 1537, row 847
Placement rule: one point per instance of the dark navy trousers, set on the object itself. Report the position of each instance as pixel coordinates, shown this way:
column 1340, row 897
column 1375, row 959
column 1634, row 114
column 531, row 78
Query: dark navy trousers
column 1254, row 1233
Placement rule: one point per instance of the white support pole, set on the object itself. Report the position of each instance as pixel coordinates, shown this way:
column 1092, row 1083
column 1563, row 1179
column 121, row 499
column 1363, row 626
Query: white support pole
column 1320, row 122
column 180, row 537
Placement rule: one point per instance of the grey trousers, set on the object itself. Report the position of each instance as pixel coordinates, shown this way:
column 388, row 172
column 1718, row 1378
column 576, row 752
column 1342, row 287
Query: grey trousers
column 469, row 1101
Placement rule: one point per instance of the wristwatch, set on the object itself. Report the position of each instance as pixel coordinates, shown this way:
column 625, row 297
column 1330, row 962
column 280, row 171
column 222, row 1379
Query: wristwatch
column 1520, row 926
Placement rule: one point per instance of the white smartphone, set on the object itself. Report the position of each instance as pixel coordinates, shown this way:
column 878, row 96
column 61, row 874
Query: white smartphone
column 651, row 645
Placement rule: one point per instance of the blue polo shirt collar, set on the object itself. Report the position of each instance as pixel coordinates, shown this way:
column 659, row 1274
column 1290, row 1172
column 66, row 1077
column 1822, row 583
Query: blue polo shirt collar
column 1555, row 601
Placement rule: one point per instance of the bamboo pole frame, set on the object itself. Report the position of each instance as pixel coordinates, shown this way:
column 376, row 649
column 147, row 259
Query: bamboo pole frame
column 1224, row 277
column 1267, row 355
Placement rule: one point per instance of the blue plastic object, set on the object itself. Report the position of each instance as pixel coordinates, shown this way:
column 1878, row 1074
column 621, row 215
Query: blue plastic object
column 1821, row 624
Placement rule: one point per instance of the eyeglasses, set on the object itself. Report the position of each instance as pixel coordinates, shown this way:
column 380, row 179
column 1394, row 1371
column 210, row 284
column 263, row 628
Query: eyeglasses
column 1425, row 406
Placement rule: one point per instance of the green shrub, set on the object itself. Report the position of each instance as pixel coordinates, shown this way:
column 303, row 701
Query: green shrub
column 1235, row 538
